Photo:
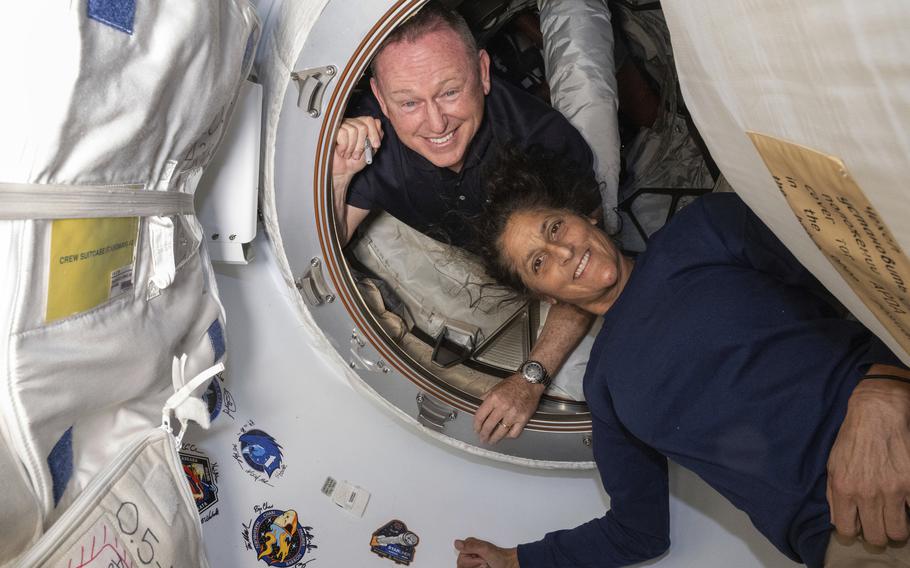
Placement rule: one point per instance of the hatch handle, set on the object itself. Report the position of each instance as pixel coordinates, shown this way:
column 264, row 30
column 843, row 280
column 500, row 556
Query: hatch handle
column 434, row 414
column 312, row 285
column 312, row 85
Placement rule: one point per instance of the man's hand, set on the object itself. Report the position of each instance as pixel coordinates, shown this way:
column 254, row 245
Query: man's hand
column 347, row 160
column 869, row 465
column 476, row 553
column 506, row 409
column 350, row 143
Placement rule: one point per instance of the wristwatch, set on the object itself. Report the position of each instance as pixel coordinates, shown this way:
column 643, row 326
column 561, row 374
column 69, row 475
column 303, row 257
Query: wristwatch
column 535, row 373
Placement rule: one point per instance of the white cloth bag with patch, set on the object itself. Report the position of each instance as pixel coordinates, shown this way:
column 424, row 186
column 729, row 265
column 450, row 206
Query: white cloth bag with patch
column 117, row 109
column 139, row 510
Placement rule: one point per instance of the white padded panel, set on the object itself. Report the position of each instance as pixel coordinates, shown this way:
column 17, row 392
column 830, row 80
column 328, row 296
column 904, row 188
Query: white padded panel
column 829, row 75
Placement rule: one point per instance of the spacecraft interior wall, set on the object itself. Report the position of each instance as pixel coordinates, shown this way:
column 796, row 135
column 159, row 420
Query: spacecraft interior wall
column 317, row 428
column 815, row 95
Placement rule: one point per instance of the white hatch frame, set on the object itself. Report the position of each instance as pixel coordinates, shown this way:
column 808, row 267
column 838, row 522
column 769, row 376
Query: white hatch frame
column 298, row 216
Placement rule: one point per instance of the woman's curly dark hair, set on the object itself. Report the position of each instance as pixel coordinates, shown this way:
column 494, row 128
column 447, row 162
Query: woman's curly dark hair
column 527, row 180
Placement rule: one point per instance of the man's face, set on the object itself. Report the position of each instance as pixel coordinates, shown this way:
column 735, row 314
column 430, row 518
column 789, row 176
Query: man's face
column 432, row 91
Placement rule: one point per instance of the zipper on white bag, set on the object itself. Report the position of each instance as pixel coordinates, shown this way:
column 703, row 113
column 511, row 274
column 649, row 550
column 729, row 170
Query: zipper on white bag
column 100, row 485
column 90, row 499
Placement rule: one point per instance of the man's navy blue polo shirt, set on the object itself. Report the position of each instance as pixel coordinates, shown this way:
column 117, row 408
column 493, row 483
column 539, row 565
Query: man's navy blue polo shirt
column 442, row 203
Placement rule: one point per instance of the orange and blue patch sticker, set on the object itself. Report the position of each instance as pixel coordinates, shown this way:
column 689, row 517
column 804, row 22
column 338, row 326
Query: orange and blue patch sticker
column 278, row 538
column 394, row 541
column 202, row 476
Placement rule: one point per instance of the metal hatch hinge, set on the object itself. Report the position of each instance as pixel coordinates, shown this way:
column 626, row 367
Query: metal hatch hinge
column 433, row 413
column 312, row 84
column 357, row 357
column 312, row 285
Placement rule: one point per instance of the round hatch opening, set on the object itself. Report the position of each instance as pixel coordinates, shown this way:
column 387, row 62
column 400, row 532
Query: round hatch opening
column 417, row 320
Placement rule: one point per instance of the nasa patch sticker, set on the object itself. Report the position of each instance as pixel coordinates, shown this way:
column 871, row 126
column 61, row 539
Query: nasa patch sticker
column 394, row 541
column 277, row 537
column 259, row 454
column 218, row 399
column 202, row 475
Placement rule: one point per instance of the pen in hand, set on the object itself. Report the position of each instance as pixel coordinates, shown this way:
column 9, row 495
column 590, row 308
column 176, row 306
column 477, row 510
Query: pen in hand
column 367, row 151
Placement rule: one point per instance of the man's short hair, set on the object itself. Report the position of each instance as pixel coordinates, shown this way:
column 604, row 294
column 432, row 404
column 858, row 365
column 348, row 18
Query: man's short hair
column 432, row 17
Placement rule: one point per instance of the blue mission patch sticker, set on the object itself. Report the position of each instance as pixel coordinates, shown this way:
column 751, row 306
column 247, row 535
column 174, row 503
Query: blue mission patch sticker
column 218, row 399
column 259, row 454
column 394, row 541
column 202, row 475
column 277, row 537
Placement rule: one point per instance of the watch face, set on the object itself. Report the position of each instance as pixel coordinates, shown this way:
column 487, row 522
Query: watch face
column 533, row 371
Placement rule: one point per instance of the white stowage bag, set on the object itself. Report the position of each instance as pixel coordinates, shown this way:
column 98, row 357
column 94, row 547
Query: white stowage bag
column 815, row 92
column 138, row 512
column 435, row 281
column 107, row 103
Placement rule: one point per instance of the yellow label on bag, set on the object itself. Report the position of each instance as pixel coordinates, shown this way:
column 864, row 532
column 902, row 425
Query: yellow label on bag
column 847, row 229
column 91, row 262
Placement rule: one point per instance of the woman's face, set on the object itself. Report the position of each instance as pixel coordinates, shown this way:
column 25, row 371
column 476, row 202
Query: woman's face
column 563, row 257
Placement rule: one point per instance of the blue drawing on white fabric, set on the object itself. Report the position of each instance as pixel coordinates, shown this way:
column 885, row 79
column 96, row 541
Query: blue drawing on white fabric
column 260, row 451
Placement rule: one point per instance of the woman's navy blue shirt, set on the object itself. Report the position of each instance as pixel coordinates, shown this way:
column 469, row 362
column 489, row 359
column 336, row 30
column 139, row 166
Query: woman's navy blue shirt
column 724, row 354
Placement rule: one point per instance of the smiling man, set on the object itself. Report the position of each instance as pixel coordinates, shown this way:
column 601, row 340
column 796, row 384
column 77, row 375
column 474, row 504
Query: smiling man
column 439, row 119
column 436, row 120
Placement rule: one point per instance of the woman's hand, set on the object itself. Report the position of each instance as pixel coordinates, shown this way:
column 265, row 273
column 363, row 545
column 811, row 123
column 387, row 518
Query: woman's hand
column 869, row 464
column 476, row 553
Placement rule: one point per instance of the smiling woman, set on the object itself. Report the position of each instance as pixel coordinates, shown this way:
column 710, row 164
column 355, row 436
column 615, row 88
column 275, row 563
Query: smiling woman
column 538, row 239
column 563, row 257
column 542, row 253
column 768, row 341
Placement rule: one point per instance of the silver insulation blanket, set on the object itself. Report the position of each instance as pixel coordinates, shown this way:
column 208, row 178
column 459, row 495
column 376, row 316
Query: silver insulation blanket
column 578, row 55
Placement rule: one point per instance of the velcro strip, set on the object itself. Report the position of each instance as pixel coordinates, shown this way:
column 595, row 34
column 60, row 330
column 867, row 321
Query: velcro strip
column 60, row 462
column 119, row 14
column 216, row 336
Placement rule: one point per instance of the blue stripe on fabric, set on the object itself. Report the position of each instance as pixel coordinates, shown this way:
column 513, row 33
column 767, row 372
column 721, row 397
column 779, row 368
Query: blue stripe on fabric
column 60, row 462
column 216, row 336
column 118, row 14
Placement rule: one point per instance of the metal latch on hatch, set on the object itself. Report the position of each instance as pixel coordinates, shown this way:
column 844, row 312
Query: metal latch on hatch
column 312, row 285
column 433, row 413
column 312, row 84
column 357, row 356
